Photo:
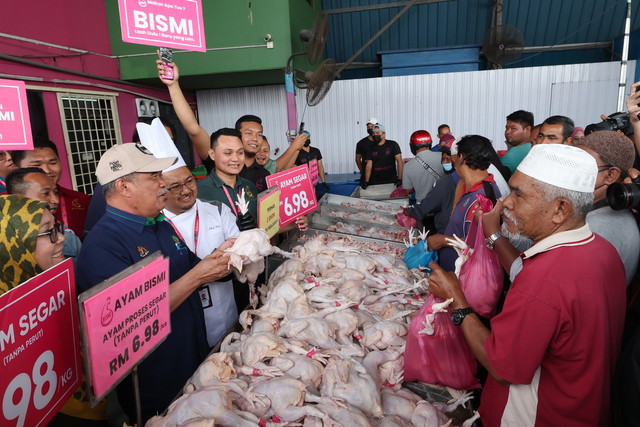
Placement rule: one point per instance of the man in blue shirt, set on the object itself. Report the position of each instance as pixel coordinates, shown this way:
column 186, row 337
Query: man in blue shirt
column 131, row 229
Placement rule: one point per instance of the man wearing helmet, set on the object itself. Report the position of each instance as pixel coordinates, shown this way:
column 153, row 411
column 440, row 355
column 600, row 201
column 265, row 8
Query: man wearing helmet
column 422, row 172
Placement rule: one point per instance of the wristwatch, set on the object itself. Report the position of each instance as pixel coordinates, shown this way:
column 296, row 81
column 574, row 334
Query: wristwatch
column 457, row 316
column 491, row 240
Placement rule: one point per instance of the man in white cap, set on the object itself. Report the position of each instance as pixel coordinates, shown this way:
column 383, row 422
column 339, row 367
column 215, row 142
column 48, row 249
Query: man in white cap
column 131, row 229
column 204, row 227
column 365, row 143
column 552, row 350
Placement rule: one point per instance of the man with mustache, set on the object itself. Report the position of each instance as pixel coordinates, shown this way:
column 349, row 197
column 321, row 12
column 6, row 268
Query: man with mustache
column 552, row 350
column 131, row 229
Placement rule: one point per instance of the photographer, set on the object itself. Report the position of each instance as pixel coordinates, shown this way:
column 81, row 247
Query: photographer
column 634, row 110
column 614, row 155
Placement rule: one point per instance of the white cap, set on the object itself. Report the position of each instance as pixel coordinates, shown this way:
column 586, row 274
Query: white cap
column 158, row 141
column 373, row 121
column 562, row 166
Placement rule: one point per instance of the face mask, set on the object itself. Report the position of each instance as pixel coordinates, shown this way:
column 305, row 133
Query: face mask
column 448, row 167
column 307, row 143
column 370, row 131
column 377, row 138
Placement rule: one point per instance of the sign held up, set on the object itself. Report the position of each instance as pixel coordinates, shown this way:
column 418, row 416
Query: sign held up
column 168, row 23
column 15, row 126
column 297, row 195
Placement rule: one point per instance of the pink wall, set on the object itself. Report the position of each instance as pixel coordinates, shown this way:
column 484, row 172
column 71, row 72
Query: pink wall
column 79, row 24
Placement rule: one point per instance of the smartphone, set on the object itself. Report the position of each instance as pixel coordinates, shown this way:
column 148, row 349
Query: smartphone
column 301, row 128
column 167, row 56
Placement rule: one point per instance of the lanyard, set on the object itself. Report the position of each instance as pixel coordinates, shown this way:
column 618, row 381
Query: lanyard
column 232, row 205
column 196, row 231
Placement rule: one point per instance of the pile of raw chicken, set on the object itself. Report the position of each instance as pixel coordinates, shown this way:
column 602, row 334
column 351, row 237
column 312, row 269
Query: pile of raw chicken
column 325, row 348
column 373, row 232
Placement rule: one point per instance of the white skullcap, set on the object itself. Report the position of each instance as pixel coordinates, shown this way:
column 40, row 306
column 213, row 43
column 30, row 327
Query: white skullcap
column 373, row 121
column 562, row 166
column 158, row 141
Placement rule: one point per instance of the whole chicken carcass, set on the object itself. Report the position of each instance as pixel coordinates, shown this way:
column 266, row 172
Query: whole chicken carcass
column 307, row 370
column 349, row 381
column 401, row 403
column 250, row 247
column 317, row 332
column 210, row 402
column 344, row 415
column 379, row 336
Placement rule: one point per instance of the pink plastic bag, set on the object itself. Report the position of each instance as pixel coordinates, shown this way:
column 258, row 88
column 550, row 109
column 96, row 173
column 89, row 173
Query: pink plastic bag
column 398, row 192
column 443, row 358
column 481, row 277
column 405, row 220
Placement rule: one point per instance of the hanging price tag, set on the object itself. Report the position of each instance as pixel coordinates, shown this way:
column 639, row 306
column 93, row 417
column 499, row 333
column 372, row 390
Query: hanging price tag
column 39, row 347
column 269, row 210
column 297, row 197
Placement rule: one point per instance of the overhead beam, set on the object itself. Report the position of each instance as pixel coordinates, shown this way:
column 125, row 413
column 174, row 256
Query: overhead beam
column 380, row 6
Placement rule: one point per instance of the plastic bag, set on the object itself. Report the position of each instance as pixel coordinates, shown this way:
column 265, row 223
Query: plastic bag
column 405, row 220
column 419, row 256
column 481, row 277
column 443, row 358
column 398, row 192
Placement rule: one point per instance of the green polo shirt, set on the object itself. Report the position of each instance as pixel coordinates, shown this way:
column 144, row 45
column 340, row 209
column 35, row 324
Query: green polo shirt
column 211, row 188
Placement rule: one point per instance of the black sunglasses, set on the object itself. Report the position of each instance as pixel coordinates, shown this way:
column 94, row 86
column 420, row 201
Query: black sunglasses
column 58, row 228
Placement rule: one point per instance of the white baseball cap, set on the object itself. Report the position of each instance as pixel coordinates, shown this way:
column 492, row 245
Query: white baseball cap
column 562, row 166
column 123, row 159
column 373, row 121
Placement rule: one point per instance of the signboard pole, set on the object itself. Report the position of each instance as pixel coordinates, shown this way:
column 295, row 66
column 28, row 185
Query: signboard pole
column 136, row 391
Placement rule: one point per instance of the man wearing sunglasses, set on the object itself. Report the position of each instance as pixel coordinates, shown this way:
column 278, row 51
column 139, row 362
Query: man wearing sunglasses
column 34, row 183
column 205, row 227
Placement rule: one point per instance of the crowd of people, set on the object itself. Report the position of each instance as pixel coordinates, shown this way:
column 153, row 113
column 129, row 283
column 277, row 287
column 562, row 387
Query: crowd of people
column 568, row 257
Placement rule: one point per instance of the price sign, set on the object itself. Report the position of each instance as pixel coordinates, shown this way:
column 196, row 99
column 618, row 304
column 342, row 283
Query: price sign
column 124, row 319
column 269, row 210
column 39, row 347
column 297, row 197
column 313, row 171
column 169, row 23
column 15, row 127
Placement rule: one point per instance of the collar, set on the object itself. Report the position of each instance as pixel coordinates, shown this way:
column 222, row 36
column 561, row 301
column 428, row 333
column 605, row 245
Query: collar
column 170, row 215
column 576, row 237
column 219, row 182
column 478, row 185
column 137, row 222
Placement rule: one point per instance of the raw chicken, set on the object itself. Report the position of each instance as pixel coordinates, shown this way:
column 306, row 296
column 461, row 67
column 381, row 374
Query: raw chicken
column 379, row 336
column 250, row 247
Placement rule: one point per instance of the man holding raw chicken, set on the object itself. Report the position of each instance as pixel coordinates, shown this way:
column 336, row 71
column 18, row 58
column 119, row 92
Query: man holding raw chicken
column 551, row 352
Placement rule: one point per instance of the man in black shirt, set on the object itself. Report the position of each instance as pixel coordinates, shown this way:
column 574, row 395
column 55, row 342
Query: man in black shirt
column 250, row 127
column 382, row 159
column 364, row 144
column 308, row 154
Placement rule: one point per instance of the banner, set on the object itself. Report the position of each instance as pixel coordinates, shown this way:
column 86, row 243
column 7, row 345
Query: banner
column 39, row 347
column 15, row 126
column 123, row 320
column 313, row 171
column 167, row 23
column 297, row 197
column 268, row 210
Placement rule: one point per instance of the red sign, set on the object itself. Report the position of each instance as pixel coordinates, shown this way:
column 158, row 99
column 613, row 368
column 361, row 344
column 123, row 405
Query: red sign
column 124, row 319
column 297, row 197
column 39, row 347
column 313, row 171
column 168, row 23
column 15, row 127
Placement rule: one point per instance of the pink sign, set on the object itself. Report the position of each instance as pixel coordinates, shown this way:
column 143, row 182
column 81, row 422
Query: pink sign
column 313, row 171
column 39, row 347
column 297, row 197
column 167, row 23
column 15, row 127
column 124, row 322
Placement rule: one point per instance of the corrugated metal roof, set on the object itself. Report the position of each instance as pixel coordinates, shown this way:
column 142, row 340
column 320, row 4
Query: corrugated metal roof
column 441, row 23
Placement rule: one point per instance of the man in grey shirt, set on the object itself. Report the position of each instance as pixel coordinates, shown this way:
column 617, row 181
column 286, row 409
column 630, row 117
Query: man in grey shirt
column 422, row 172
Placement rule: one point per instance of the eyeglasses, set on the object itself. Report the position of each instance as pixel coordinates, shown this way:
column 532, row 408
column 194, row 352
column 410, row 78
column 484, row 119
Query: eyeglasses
column 603, row 168
column 58, row 228
column 190, row 183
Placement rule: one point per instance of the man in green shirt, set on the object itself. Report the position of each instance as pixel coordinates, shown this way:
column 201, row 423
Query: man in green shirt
column 517, row 133
column 223, row 183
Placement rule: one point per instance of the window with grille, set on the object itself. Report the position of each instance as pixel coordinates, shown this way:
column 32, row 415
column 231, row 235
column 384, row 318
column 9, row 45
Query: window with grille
column 91, row 127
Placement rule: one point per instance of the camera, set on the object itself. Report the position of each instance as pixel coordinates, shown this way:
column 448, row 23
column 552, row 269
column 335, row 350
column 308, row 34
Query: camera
column 615, row 122
column 624, row 196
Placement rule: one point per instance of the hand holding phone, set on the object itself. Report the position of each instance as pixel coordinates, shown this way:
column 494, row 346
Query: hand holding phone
column 166, row 56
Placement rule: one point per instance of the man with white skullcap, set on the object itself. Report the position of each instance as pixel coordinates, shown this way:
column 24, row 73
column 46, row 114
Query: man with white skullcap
column 552, row 350
column 131, row 229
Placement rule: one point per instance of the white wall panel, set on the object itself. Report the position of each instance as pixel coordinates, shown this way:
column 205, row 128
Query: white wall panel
column 470, row 102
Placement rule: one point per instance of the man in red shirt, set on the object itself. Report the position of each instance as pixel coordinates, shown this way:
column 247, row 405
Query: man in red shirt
column 73, row 204
column 552, row 350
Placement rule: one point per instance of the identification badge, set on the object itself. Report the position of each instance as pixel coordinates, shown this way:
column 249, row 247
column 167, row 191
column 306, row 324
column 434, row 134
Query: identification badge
column 205, row 296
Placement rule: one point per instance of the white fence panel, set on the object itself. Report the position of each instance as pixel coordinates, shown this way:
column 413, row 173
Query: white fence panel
column 470, row 102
